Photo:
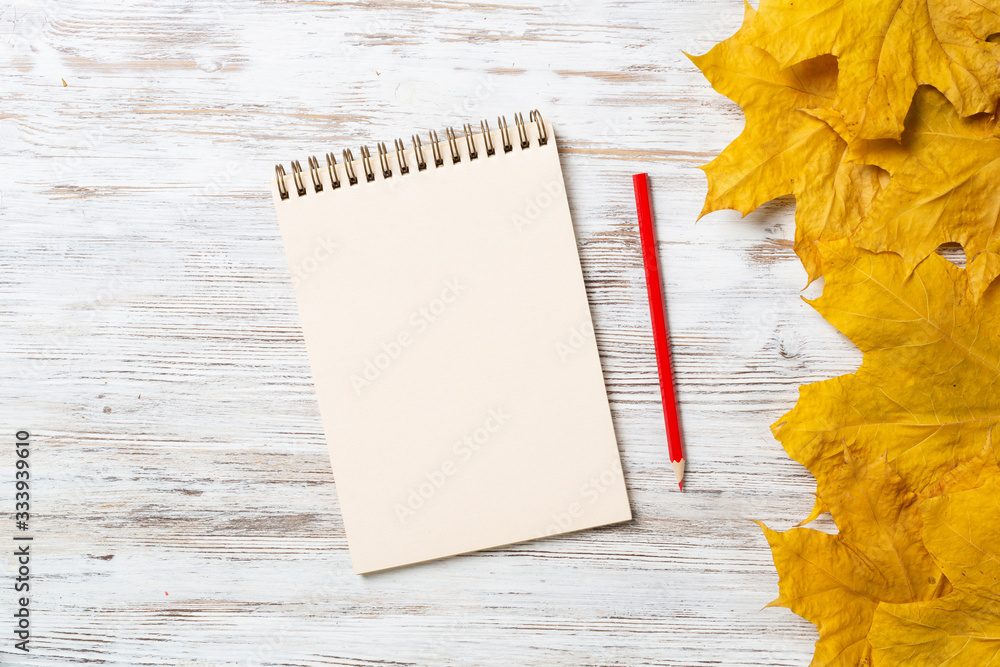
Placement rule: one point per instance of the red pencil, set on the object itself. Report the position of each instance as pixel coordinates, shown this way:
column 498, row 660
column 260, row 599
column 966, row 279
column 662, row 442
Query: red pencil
column 661, row 339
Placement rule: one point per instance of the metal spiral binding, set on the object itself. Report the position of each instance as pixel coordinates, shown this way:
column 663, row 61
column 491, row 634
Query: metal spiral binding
column 522, row 134
column 401, row 157
column 436, row 148
column 418, row 150
column 314, row 173
column 505, row 134
column 456, row 157
column 366, row 162
column 331, row 165
column 383, row 158
column 473, row 154
column 297, row 177
column 349, row 165
column 403, row 165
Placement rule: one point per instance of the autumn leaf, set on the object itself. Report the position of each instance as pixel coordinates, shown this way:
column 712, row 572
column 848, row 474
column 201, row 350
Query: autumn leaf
column 968, row 474
column 837, row 581
column 962, row 628
column 842, row 112
column 927, row 393
column 885, row 49
column 943, row 186
column 965, row 474
column 788, row 146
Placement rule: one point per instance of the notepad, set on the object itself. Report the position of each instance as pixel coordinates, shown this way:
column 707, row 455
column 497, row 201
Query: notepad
column 451, row 343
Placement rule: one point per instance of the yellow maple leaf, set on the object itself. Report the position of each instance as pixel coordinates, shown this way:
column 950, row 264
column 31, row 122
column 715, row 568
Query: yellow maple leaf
column 886, row 48
column 965, row 474
column 788, row 145
column 837, row 581
column 963, row 627
column 840, row 113
column 927, row 393
column 968, row 474
column 943, row 186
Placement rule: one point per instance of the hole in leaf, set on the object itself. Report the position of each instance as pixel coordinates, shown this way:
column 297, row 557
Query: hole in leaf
column 954, row 253
column 995, row 38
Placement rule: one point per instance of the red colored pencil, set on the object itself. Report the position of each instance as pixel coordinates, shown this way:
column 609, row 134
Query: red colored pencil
column 661, row 339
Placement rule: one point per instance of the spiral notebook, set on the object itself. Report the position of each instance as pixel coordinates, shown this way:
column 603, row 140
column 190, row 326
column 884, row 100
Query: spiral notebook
column 451, row 343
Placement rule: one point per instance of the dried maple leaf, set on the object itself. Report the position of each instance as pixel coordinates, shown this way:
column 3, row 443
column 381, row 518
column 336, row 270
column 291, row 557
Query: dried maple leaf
column 837, row 581
column 886, row 48
column 927, row 393
column 826, row 86
column 963, row 627
column 787, row 147
column 943, row 186
column 968, row 474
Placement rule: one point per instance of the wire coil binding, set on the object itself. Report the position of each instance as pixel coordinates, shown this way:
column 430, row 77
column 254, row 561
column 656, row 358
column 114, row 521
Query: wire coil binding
column 486, row 148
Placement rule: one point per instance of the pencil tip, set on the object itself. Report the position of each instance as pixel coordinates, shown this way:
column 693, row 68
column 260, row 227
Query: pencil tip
column 679, row 472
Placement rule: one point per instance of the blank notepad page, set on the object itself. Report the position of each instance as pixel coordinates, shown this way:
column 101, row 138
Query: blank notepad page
column 452, row 350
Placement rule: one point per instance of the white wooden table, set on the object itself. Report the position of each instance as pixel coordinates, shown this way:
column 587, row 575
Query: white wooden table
column 184, row 511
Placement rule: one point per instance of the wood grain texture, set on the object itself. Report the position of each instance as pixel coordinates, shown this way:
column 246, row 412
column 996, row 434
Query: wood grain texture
column 184, row 509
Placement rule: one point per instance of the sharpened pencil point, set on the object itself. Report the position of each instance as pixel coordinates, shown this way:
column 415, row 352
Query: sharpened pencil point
column 679, row 472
